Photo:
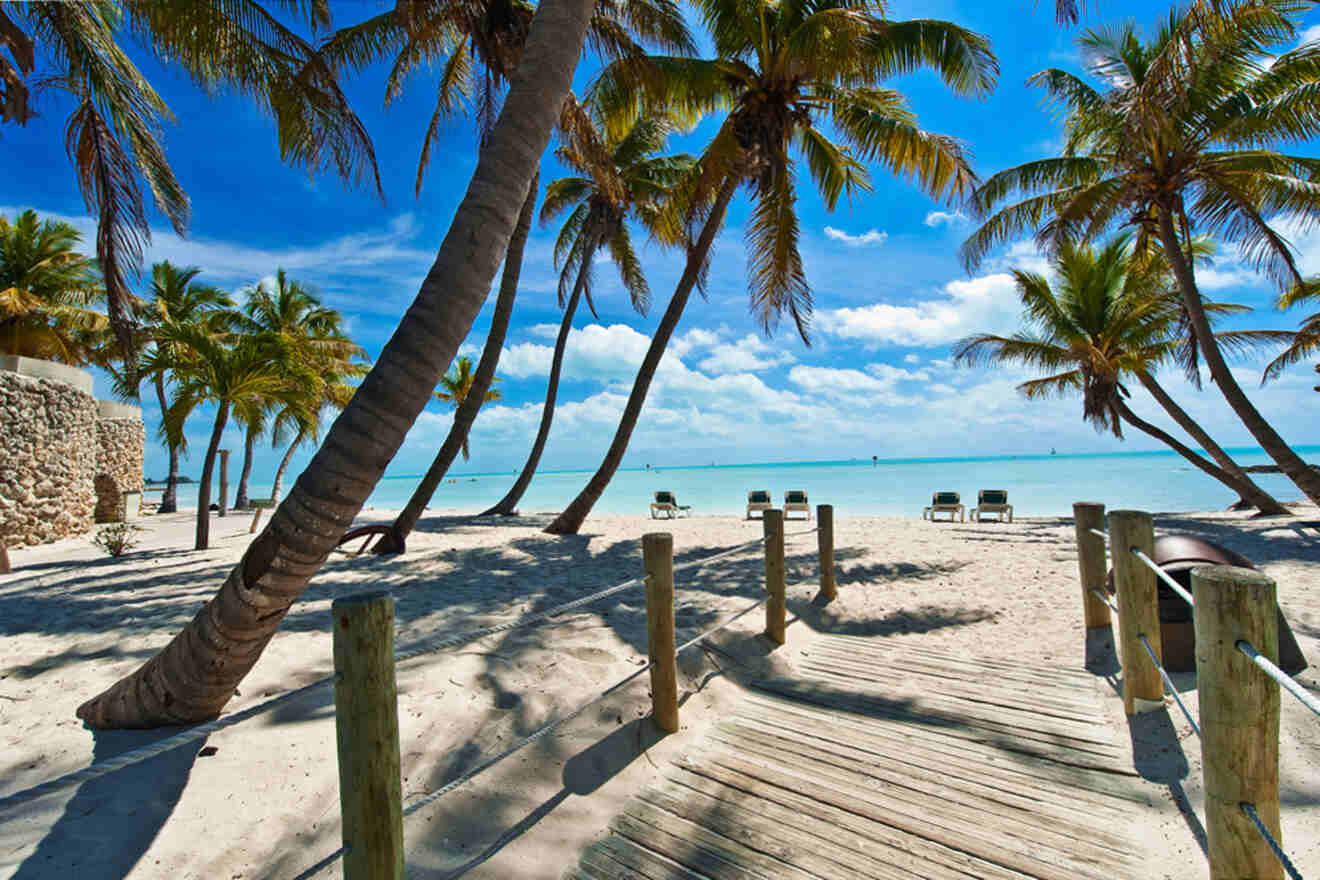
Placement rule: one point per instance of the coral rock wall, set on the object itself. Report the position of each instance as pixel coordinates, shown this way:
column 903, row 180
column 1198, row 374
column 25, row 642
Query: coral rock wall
column 53, row 448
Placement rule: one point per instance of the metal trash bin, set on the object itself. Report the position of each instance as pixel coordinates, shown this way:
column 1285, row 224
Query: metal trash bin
column 1178, row 555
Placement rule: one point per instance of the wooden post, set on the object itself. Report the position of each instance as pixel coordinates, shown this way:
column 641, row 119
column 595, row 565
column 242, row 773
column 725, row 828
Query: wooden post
column 773, row 526
column 1138, row 609
column 1239, row 718
column 658, row 557
column 256, row 518
column 1089, row 515
column 223, row 503
column 4, row 558
column 825, row 543
column 367, row 730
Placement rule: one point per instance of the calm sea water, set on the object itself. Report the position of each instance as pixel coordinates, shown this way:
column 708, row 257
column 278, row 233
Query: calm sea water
column 1038, row 485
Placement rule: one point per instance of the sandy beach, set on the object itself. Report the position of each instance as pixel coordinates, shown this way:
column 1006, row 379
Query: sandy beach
column 261, row 800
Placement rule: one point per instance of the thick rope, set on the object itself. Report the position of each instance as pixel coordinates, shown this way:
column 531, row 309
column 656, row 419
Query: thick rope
column 1099, row 594
column 1164, row 576
column 1099, row 534
column 1168, row 682
column 1287, row 681
column 1279, row 854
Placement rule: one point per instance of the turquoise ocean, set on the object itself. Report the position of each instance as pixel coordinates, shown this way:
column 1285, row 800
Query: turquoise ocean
column 1038, row 485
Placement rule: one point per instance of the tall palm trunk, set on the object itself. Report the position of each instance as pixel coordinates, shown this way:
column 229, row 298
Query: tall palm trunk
column 1256, row 496
column 204, row 486
column 249, row 447
column 568, row 522
column 507, row 505
column 1213, row 470
column 277, row 488
column 195, row 675
column 1296, row 470
column 169, row 499
column 466, row 414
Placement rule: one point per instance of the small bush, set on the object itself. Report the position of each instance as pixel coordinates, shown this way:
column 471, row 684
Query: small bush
column 117, row 539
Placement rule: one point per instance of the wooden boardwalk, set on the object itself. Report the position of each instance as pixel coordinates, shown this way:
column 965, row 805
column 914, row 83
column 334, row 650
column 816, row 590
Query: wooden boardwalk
column 891, row 761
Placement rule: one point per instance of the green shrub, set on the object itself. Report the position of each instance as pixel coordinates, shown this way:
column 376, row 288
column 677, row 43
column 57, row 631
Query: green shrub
column 117, row 539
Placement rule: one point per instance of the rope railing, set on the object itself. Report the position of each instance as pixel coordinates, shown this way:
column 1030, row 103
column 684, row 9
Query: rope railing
column 1249, row 811
column 1168, row 683
column 1285, row 680
column 426, row 646
column 1099, row 534
column 1164, row 576
column 1099, row 594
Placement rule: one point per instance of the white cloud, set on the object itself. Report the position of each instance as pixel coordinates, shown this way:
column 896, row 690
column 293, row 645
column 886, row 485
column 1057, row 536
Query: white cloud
column 693, row 340
column 945, row 218
column 747, row 354
column 911, row 359
column 988, row 304
column 873, row 238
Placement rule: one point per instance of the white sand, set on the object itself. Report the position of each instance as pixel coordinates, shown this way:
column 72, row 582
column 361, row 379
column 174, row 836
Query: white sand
column 265, row 804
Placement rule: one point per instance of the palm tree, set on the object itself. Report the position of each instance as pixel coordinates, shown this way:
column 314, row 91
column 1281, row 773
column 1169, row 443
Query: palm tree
column 1178, row 143
column 787, row 71
column 112, row 135
column 1109, row 319
column 252, row 371
column 194, row 676
column 333, row 391
column 1305, row 342
column 177, row 299
column 478, row 47
column 618, row 179
column 457, row 385
column 46, row 289
column 291, row 313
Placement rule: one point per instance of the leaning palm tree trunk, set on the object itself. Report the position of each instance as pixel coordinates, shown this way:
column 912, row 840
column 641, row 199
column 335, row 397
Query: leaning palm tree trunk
column 249, row 447
column 509, row 503
column 204, row 485
column 568, row 522
column 466, row 414
column 1145, row 427
column 277, row 488
column 195, row 675
column 169, row 499
column 1255, row 496
column 1296, row 470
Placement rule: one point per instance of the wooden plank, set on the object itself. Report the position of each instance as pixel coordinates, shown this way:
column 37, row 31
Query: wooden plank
column 716, row 859
column 917, row 855
column 1008, row 668
column 616, row 856
column 1029, row 795
column 975, row 842
column 920, row 802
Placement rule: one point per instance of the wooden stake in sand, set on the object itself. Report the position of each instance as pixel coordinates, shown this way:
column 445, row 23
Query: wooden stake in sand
column 825, row 543
column 1138, row 609
column 658, row 557
column 4, row 559
column 1239, row 718
column 773, row 525
column 256, row 518
column 223, row 503
column 367, row 731
column 1089, row 515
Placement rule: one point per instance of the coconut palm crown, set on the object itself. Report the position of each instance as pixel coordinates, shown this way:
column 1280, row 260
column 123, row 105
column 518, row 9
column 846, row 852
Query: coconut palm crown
column 803, row 79
column 1179, row 140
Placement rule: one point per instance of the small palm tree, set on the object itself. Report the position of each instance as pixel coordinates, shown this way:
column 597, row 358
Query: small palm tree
column 1305, row 342
column 796, row 77
column 1178, row 141
column 1108, row 319
column 177, row 299
column 333, row 391
column 618, row 179
column 46, row 290
column 456, row 385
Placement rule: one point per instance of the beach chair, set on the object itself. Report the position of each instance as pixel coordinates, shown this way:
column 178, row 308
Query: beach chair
column 666, row 503
column 796, row 500
column 944, row 502
column 992, row 501
column 758, row 499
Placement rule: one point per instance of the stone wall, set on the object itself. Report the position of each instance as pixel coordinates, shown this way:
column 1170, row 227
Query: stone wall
column 58, row 447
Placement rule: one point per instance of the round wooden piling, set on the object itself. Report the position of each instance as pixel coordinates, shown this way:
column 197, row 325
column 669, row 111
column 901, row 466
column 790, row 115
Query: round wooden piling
column 1239, row 718
column 658, row 557
column 825, row 544
column 4, row 559
column 775, row 608
column 1089, row 515
column 223, row 503
column 1138, row 609
column 367, row 732
column 256, row 520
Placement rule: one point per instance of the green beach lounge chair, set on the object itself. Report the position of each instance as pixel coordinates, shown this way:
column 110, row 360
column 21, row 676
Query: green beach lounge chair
column 796, row 500
column 758, row 499
column 944, row 502
column 666, row 503
column 992, row 501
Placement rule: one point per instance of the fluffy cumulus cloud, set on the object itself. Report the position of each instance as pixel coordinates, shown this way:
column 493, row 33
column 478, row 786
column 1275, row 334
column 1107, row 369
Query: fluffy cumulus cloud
column 871, row 238
column 987, row 304
column 945, row 218
column 745, row 355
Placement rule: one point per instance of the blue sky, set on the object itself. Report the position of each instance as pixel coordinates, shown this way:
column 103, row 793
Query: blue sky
column 890, row 293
